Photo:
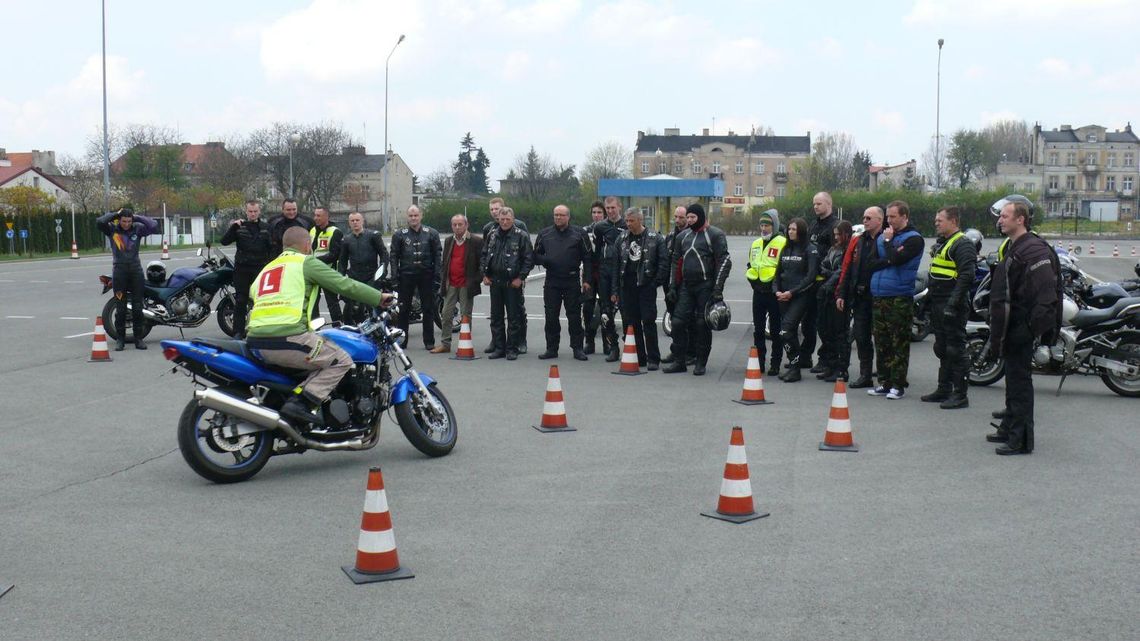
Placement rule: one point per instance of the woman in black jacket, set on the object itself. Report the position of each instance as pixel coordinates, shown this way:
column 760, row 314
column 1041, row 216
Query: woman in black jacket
column 795, row 276
column 832, row 322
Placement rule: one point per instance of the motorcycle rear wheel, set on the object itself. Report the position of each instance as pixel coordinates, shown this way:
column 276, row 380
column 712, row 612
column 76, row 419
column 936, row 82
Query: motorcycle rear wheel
column 205, row 450
column 419, row 428
column 111, row 323
column 982, row 375
column 225, row 312
column 1125, row 385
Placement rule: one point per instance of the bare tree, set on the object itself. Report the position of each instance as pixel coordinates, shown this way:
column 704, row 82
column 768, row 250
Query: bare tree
column 320, row 167
column 933, row 164
column 538, row 177
column 832, row 164
column 1008, row 140
column 230, row 167
column 84, row 183
column 608, row 160
column 440, row 181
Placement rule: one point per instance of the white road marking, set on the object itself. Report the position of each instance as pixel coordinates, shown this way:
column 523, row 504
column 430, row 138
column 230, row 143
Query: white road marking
column 23, row 317
column 73, row 318
column 74, row 282
column 42, row 282
column 83, row 334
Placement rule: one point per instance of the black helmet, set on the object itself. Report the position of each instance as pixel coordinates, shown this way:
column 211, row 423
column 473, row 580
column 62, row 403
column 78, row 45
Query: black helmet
column 718, row 315
column 996, row 208
column 975, row 237
column 156, row 273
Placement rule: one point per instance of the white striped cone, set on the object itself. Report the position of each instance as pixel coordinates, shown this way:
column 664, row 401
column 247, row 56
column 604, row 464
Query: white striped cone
column 753, row 392
column 735, row 502
column 1116, row 251
column 99, row 352
column 74, row 250
column 554, row 406
column 629, row 365
column 376, row 557
column 1070, row 246
column 466, row 350
column 1092, row 249
column 837, row 437
column 165, row 250
column 1133, row 252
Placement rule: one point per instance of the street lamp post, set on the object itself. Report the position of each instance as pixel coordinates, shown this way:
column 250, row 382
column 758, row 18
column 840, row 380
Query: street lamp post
column 937, row 121
column 294, row 138
column 387, row 156
column 106, row 144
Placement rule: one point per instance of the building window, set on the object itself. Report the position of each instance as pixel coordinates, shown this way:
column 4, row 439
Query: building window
column 1053, row 158
column 36, row 182
column 1090, row 159
column 645, row 166
column 696, row 166
column 1090, row 183
column 1029, row 187
column 678, row 167
column 1053, row 182
column 780, row 191
column 1110, row 161
column 760, row 190
column 1070, row 182
column 1125, row 211
column 758, row 168
column 662, row 167
column 716, row 167
column 740, row 166
column 1127, row 183
column 1071, row 158
column 1128, row 159
column 738, row 190
column 1053, row 207
column 1110, row 183
column 781, row 168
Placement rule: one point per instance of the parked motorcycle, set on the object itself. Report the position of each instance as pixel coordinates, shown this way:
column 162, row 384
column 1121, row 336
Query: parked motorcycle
column 231, row 427
column 183, row 300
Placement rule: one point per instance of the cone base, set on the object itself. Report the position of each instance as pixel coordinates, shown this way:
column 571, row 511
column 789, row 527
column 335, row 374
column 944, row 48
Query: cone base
column 359, row 577
column 733, row 518
column 6, row 588
column 737, row 400
column 547, row 430
column 854, row 447
column 464, row 358
column 99, row 360
column 639, row 373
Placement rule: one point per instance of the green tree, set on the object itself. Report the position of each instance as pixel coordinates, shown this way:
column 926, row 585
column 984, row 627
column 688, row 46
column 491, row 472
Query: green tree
column 969, row 156
column 469, row 172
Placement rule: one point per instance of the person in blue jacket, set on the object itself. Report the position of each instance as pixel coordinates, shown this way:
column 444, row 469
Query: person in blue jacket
column 898, row 253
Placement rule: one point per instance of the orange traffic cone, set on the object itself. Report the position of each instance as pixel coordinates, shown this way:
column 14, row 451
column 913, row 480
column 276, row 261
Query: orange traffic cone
column 99, row 353
column 1092, row 249
column 1133, row 252
column 837, row 438
column 735, row 504
column 1116, row 251
column 466, row 351
column 629, row 366
column 753, row 392
column 165, row 250
column 1070, row 246
column 74, row 250
column 376, row 558
column 554, row 408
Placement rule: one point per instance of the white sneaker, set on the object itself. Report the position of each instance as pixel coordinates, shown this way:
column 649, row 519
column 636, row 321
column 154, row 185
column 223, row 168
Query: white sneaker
column 878, row 391
column 895, row 394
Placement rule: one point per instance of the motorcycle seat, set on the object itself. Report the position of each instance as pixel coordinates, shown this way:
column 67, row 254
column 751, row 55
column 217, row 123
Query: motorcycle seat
column 1089, row 317
column 230, row 345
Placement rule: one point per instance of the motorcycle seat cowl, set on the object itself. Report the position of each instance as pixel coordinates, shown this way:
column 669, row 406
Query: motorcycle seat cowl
column 1087, row 317
column 241, row 348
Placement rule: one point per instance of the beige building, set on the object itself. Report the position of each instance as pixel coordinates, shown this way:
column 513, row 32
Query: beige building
column 755, row 169
column 1017, row 177
column 1089, row 171
column 892, row 176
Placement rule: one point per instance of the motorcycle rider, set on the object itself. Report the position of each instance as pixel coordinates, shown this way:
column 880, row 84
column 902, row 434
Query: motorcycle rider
column 643, row 265
column 853, row 294
column 833, row 323
column 126, row 230
column 794, row 285
column 606, row 234
column 591, row 312
column 362, row 252
column 565, row 253
column 763, row 258
column 496, row 205
column 704, row 267
column 279, row 330
column 1025, row 306
column 254, row 245
column 416, row 261
column 680, row 222
column 820, row 234
column 288, row 218
column 507, row 260
column 326, row 240
column 898, row 254
column 950, row 278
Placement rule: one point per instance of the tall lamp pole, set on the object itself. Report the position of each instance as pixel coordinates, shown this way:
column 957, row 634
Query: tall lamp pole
column 106, row 143
column 385, row 215
column 937, row 122
column 294, row 138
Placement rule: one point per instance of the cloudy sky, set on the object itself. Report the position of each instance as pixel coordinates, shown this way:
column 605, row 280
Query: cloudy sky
column 565, row 75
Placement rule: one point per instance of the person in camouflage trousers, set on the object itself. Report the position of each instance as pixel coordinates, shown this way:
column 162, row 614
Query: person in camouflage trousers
column 892, row 347
column 898, row 253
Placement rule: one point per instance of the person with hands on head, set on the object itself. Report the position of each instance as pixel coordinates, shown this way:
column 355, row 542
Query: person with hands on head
column 507, row 260
column 254, row 251
column 795, row 289
column 126, row 231
column 564, row 250
column 643, row 266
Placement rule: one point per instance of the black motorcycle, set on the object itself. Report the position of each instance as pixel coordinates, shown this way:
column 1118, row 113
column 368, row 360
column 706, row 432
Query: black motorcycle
column 182, row 301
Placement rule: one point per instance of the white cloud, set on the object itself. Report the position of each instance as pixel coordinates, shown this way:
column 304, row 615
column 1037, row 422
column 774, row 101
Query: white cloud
column 1055, row 66
column 516, row 65
column 739, row 55
column 543, row 16
column 123, row 83
column 1123, row 78
column 638, row 21
column 465, row 109
column 974, row 12
column 890, row 121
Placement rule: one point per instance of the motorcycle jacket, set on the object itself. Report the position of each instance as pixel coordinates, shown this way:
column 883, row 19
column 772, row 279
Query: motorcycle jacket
column 326, row 244
column 362, row 254
column 821, row 233
column 1026, row 289
column 490, row 227
column 416, row 251
column 507, row 255
column 952, row 270
column 565, row 253
column 279, row 224
column 703, row 256
column 644, row 255
column 125, row 243
column 829, row 267
column 254, row 243
column 606, row 234
column 798, row 270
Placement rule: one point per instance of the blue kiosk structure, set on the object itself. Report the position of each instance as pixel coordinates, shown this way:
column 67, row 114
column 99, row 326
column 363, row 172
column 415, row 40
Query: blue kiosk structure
column 661, row 192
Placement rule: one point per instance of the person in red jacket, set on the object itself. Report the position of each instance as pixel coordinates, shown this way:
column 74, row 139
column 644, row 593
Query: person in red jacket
column 461, row 279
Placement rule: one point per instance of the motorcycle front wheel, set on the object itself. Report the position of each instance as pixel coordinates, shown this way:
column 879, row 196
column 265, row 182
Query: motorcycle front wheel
column 430, row 434
column 214, row 456
column 225, row 312
column 667, row 323
column 1121, row 383
column 982, row 374
column 111, row 323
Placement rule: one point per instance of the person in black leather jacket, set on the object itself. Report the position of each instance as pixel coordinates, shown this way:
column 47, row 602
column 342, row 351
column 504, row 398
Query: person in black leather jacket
column 702, row 251
column 254, row 247
column 416, row 256
column 795, row 288
column 362, row 252
column 495, row 205
column 566, row 254
column 643, row 265
column 506, row 262
column 288, row 218
column 591, row 311
column 819, row 234
column 680, row 222
column 833, row 322
column 606, row 234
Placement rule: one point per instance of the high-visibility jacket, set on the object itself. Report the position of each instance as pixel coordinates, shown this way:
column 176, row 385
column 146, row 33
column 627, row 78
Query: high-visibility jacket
column 764, row 257
column 278, row 294
column 321, row 240
column 942, row 265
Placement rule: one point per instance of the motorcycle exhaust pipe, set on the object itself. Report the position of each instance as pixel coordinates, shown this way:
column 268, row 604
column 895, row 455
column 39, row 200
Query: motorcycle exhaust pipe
column 268, row 419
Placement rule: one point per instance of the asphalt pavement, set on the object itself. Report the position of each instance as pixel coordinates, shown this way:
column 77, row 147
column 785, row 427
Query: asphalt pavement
column 923, row 534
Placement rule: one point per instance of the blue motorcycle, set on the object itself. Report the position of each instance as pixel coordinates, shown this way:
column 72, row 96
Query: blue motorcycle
column 231, row 427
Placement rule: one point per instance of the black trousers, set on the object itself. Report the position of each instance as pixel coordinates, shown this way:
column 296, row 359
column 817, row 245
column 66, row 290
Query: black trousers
column 506, row 316
column 860, row 310
column 794, row 313
column 689, row 314
column 766, row 311
column 810, row 320
column 554, row 297
column 639, row 310
column 692, row 340
column 244, row 276
column 949, row 346
column 589, row 309
column 835, row 349
column 1019, row 385
column 127, row 281
column 421, row 282
column 333, row 302
column 609, row 329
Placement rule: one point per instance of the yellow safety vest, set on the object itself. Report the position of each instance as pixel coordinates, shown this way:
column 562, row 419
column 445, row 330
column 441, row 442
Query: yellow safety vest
column 764, row 258
column 278, row 294
column 942, row 266
column 320, row 241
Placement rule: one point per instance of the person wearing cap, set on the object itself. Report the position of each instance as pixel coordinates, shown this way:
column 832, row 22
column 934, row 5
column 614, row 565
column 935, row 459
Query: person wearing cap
column 950, row 279
column 763, row 259
column 702, row 252
column 126, row 231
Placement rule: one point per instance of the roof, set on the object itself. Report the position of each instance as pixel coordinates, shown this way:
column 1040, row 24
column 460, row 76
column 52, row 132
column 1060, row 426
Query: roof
column 1120, row 136
column 755, row 144
column 20, row 158
column 647, row 187
column 8, row 174
column 874, row 169
column 1067, row 135
column 367, row 163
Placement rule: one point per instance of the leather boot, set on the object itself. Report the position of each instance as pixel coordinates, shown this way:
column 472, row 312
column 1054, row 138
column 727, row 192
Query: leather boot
column 835, row 376
column 863, row 381
column 674, row 367
column 792, row 376
column 937, row 396
column 827, row 371
column 774, row 369
column 588, row 347
column 1000, row 414
column 957, row 400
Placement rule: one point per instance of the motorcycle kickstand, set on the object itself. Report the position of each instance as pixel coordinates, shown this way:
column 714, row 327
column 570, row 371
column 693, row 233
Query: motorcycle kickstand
column 1063, row 377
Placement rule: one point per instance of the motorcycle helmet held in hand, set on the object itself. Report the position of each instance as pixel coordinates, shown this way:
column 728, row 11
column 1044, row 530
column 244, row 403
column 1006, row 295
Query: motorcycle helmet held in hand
column 155, row 273
column 718, row 315
column 975, row 237
column 996, row 208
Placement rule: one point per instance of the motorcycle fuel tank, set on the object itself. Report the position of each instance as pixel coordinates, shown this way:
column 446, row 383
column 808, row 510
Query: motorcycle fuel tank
column 360, row 348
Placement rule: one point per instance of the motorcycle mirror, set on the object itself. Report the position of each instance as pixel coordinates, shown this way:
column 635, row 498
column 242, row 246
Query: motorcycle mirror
column 317, row 323
column 1077, row 250
column 381, row 272
column 199, row 252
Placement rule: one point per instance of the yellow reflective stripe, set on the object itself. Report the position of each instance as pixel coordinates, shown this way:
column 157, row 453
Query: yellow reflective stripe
column 763, row 258
column 942, row 265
